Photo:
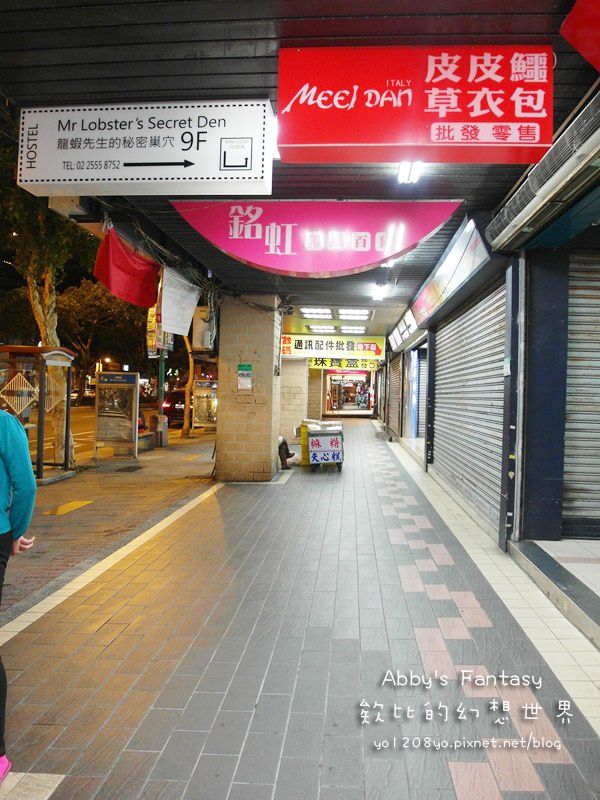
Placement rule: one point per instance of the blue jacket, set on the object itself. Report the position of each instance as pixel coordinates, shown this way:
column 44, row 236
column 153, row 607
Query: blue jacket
column 17, row 483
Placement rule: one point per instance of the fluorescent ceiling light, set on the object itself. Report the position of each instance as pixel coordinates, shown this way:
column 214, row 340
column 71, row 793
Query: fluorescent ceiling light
column 360, row 314
column 353, row 329
column 317, row 313
column 322, row 328
column 410, row 171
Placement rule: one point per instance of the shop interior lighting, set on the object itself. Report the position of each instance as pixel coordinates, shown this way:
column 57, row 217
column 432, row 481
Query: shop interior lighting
column 410, row 171
column 322, row 328
column 353, row 329
column 316, row 313
column 354, row 313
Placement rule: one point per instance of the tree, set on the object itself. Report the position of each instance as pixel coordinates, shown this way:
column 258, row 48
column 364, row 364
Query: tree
column 40, row 243
column 125, row 339
column 185, row 428
column 88, row 315
column 16, row 318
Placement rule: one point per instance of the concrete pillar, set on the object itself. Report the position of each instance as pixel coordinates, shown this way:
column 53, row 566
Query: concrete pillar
column 294, row 395
column 315, row 377
column 248, row 419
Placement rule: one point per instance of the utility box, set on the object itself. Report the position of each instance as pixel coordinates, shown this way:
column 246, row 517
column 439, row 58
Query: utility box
column 159, row 425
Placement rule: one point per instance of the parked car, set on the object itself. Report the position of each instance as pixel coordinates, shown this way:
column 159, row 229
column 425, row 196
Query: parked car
column 142, row 427
column 173, row 407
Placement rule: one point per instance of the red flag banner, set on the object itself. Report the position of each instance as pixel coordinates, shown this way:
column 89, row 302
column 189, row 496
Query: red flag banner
column 580, row 29
column 126, row 274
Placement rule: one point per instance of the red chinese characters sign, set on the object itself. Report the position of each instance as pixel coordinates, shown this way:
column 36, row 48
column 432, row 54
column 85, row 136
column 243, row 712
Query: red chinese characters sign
column 315, row 239
column 490, row 104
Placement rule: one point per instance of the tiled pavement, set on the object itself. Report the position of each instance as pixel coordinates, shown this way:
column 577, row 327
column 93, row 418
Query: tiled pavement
column 117, row 510
column 226, row 658
column 579, row 556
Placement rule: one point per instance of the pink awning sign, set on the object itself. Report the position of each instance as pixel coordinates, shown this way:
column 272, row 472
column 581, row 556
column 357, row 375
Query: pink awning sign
column 316, row 239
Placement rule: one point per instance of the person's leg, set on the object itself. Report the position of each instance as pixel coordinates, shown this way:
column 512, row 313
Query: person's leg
column 5, row 550
column 290, row 455
column 283, row 455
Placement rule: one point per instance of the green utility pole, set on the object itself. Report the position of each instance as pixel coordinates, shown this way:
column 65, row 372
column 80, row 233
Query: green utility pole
column 161, row 378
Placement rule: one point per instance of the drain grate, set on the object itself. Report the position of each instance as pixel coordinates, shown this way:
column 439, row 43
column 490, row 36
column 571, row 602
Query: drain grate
column 133, row 468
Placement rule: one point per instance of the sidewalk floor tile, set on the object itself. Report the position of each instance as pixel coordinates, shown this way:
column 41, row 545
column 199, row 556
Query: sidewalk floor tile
column 225, row 654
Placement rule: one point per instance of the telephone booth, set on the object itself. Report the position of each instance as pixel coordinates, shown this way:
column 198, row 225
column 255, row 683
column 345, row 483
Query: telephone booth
column 35, row 386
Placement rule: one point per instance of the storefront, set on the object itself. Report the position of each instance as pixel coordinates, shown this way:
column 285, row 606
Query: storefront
column 392, row 419
column 339, row 374
column 380, row 389
column 469, row 401
column 407, row 406
column 406, row 409
column 581, row 482
column 560, row 471
column 414, row 395
column 349, row 392
column 454, row 337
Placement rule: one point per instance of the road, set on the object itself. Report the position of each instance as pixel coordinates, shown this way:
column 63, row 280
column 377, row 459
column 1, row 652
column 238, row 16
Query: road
column 82, row 428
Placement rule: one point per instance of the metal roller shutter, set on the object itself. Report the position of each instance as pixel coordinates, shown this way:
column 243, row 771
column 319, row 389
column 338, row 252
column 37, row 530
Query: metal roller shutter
column 581, row 494
column 422, row 396
column 381, row 392
column 469, row 401
column 394, row 400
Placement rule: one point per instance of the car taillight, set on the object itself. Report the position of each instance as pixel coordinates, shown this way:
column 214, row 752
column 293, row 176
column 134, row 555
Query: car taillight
column 166, row 404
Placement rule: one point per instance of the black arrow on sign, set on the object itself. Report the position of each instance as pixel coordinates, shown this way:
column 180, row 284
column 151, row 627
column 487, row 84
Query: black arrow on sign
column 158, row 163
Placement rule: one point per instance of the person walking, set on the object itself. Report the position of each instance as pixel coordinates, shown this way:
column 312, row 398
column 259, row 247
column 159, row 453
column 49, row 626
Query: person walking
column 17, row 497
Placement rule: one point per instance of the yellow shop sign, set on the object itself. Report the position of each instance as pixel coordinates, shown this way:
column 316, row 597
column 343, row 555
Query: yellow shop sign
column 333, row 347
column 342, row 363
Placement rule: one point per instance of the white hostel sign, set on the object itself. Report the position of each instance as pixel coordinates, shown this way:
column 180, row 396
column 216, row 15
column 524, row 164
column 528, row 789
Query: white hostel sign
column 148, row 148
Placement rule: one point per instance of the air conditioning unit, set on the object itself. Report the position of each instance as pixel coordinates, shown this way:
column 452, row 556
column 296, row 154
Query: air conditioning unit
column 203, row 330
column 568, row 170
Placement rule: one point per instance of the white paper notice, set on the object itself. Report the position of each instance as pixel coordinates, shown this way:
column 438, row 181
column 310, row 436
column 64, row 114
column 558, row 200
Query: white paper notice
column 179, row 301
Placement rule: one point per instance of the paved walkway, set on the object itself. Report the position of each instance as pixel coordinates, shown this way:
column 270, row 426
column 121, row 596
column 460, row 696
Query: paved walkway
column 230, row 653
column 78, row 520
column 580, row 556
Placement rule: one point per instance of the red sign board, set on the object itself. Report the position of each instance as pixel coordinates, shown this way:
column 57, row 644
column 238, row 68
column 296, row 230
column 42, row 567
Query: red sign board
column 489, row 104
column 580, row 29
column 315, row 239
